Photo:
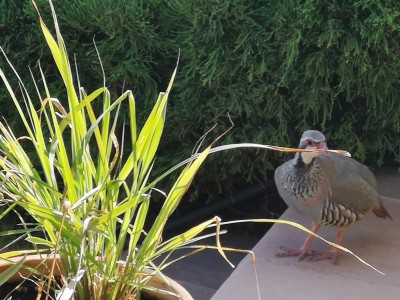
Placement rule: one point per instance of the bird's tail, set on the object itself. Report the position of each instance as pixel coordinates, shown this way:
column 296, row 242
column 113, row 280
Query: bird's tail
column 381, row 211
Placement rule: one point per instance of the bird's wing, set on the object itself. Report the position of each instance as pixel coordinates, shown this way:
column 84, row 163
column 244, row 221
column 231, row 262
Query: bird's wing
column 353, row 192
column 350, row 198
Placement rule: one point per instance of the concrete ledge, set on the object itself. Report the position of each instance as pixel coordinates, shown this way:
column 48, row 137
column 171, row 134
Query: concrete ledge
column 375, row 240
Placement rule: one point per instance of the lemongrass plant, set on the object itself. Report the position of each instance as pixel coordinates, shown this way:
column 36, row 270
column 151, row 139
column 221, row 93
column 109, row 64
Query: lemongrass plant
column 89, row 200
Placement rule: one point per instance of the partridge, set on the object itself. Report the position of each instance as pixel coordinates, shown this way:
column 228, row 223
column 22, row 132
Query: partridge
column 331, row 189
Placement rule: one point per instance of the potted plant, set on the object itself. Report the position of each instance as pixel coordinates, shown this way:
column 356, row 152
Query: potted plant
column 90, row 201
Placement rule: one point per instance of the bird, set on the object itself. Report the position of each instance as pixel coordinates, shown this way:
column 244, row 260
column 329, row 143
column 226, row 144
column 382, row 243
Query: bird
column 333, row 190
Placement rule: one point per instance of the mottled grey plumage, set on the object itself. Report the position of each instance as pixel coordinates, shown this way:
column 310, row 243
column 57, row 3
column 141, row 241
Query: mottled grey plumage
column 328, row 188
column 331, row 189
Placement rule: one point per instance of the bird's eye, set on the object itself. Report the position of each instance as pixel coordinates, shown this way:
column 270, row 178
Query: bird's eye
column 310, row 143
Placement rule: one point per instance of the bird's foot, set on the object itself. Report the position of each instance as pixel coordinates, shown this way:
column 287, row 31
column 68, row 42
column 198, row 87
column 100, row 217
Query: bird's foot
column 322, row 256
column 301, row 253
column 310, row 255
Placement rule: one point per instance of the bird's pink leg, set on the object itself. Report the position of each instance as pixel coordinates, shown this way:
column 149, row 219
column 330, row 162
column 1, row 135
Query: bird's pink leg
column 304, row 250
column 334, row 251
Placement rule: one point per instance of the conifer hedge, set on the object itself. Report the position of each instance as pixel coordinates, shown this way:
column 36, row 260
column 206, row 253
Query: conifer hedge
column 277, row 68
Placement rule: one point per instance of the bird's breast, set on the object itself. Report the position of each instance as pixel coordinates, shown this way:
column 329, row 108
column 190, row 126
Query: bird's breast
column 303, row 183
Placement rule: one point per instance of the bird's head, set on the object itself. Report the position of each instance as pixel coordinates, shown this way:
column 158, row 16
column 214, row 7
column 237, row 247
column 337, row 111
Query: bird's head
column 311, row 140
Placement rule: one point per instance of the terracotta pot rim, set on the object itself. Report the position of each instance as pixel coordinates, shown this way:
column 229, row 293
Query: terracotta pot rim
column 43, row 263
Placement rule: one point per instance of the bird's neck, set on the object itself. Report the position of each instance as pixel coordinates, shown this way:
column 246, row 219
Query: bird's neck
column 304, row 159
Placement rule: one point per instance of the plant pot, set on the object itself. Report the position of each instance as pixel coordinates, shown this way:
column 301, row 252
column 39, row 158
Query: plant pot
column 43, row 263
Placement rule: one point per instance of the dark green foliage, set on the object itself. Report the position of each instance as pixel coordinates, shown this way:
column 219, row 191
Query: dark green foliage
column 281, row 68
column 277, row 68
column 226, row 68
column 341, row 63
column 14, row 25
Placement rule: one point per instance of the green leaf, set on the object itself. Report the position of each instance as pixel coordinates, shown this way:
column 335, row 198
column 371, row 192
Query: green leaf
column 7, row 274
column 183, row 238
column 175, row 195
column 40, row 241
